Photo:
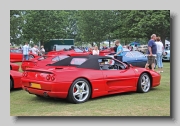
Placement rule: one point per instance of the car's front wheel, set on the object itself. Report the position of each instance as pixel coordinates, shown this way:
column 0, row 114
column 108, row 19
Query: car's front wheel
column 80, row 91
column 144, row 83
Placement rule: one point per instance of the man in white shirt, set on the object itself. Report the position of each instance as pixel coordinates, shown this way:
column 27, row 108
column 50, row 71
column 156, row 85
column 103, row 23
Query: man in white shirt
column 25, row 50
column 35, row 50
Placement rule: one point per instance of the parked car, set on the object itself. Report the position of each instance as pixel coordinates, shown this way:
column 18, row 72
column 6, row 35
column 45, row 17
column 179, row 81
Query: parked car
column 143, row 48
column 15, row 79
column 16, row 55
column 109, row 51
column 135, row 58
column 79, row 78
column 70, row 52
column 167, row 56
column 42, row 61
column 14, row 66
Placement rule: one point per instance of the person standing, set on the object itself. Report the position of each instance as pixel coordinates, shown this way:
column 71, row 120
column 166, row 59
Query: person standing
column 95, row 51
column 42, row 51
column 35, row 50
column 152, row 50
column 160, row 49
column 25, row 50
column 119, row 51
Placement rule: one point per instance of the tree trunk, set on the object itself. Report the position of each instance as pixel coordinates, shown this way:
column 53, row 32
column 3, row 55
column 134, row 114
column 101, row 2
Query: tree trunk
column 109, row 43
column 98, row 44
column 163, row 40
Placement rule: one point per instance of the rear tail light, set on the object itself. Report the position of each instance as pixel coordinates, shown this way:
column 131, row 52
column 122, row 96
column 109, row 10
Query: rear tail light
column 50, row 77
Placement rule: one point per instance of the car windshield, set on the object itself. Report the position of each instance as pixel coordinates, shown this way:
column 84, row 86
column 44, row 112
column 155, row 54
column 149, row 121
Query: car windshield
column 15, row 51
column 77, row 50
column 43, row 57
column 137, row 54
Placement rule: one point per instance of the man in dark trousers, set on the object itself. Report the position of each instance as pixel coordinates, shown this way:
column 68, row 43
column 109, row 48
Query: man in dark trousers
column 152, row 50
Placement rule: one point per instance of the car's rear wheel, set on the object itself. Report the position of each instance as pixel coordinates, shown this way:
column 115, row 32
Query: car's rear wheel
column 11, row 84
column 80, row 91
column 144, row 83
column 31, row 57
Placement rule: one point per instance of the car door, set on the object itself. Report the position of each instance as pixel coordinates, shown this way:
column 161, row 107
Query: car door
column 119, row 80
column 129, row 58
column 141, row 59
column 15, row 55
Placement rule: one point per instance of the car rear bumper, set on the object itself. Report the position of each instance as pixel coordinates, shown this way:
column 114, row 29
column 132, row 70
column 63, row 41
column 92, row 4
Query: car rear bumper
column 45, row 93
column 166, row 58
column 49, row 88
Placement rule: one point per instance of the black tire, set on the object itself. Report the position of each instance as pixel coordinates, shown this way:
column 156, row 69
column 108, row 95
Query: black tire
column 11, row 84
column 142, row 83
column 84, row 92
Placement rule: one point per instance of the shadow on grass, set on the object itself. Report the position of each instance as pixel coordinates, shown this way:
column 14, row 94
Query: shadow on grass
column 17, row 89
column 65, row 101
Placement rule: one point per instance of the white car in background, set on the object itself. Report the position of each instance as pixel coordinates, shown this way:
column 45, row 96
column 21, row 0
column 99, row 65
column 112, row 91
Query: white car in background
column 167, row 52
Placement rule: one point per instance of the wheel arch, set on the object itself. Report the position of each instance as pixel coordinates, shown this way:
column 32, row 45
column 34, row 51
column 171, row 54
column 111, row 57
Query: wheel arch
column 149, row 76
column 85, row 79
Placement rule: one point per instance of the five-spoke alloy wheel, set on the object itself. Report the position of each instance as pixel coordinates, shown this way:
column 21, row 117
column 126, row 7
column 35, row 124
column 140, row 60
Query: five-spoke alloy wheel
column 80, row 91
column 144, row 83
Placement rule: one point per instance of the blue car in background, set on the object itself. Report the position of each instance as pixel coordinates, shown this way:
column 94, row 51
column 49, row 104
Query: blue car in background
column 135, row 58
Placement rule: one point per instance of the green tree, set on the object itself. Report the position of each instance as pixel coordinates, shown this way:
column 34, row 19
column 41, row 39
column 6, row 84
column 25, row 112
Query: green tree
column 43, row 25
column 16, row 22
column 95, row 25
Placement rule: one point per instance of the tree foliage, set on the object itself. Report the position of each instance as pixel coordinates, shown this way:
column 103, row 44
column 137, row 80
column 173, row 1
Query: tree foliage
column 89, row 26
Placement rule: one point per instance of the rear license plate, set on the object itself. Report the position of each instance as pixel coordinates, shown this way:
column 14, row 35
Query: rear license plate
column 34, row 85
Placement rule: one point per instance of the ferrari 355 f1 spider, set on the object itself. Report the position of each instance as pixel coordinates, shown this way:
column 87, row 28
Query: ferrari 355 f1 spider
column 79, row 78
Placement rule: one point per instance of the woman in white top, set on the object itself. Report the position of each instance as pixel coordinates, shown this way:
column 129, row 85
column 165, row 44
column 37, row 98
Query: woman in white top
column 95, row 51
column 160, row 49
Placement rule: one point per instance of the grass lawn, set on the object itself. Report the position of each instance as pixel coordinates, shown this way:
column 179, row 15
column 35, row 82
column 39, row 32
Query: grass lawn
column 154, row 103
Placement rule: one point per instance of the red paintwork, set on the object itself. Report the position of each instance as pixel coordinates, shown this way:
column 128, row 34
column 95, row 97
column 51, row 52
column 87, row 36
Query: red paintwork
column 102, row 82
column 18, row 56
column 106, row 51
column 16, row 77
column 69, row 53
column 14, row 66
column 36, row 63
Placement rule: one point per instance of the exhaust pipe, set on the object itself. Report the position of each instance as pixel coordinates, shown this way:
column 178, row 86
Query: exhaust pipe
column 45, row 94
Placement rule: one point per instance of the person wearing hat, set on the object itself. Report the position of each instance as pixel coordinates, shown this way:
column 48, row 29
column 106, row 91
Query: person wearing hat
column 42, row 50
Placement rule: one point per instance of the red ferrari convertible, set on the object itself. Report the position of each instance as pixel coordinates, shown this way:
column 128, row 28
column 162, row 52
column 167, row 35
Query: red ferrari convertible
column 15, row 79
column 16, row 55
column 82, row 77
column 71, row 52
column 14, row 66
column 42, row 61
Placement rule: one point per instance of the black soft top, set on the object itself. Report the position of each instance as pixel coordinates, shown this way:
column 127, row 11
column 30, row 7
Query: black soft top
column 91, row 62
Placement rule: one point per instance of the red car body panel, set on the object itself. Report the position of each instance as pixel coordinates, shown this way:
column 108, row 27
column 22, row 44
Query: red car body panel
column 14, row 66
column 69, row 53
column 17, row 55
column 16, row 77
column 102, row 82
column 39, row 63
